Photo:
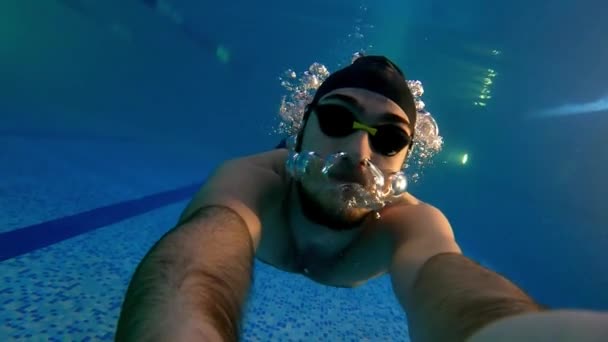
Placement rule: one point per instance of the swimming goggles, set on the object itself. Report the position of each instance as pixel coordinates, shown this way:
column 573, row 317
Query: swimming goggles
column 337, row 121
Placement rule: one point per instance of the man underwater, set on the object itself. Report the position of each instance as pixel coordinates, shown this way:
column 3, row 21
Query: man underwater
column 333, row 207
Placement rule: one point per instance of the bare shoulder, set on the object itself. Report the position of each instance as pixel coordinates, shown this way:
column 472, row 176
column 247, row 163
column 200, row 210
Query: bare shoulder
column 273, row 160
column 420, row 231
column 245, row 185
column 410, row 218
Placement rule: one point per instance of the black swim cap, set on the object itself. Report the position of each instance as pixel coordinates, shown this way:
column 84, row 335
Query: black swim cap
column 377, row 74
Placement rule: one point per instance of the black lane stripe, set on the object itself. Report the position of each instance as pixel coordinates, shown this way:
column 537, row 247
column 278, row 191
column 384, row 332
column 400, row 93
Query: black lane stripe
column 27, row 239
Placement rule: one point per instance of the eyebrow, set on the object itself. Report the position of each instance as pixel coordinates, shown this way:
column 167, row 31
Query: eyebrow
column 384, row 117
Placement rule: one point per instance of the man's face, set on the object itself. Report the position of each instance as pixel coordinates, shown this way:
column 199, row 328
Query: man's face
column 370, row 109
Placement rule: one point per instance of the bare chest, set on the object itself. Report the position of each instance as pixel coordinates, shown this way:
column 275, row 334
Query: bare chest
column 331, row 259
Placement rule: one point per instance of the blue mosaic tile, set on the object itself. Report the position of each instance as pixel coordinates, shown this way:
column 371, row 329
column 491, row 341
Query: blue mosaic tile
column 81, row 295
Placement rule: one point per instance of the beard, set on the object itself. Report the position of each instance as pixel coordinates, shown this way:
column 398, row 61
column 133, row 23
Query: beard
column 327, row 208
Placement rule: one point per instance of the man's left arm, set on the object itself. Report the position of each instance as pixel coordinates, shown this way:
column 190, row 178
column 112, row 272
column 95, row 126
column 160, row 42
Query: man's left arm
column 446, row 296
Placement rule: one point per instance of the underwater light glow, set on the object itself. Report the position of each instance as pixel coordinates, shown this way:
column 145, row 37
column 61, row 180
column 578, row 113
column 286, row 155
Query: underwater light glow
column 223, row 54
column 465, row 158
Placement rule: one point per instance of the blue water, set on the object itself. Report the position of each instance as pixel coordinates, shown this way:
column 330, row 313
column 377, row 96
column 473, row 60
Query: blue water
column 112, row 113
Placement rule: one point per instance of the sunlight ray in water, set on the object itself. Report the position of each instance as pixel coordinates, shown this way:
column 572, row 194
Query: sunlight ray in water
column 568, row 109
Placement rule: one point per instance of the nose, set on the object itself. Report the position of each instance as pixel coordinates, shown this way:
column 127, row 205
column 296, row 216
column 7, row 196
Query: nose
column 357, row 145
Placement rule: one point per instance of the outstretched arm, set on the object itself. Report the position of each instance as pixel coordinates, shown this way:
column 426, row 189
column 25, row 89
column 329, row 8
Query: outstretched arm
column 447, row 297
column 547, row 326
column 192, row 283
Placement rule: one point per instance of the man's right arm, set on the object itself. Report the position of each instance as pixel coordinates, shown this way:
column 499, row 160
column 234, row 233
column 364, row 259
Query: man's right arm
column 192, row 284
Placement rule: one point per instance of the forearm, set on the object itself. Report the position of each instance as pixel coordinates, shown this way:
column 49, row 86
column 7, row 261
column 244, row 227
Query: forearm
column 453, row 297
column 193, row 282
column 547, row 326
